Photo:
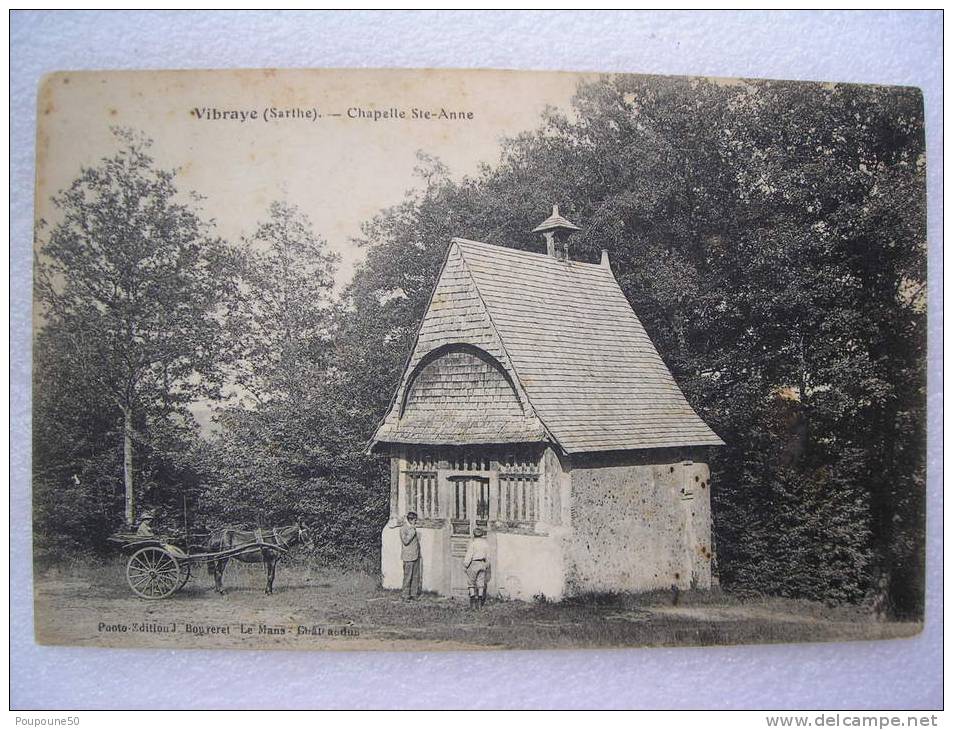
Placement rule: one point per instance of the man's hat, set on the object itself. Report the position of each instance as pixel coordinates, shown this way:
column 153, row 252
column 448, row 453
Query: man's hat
column 479, row 532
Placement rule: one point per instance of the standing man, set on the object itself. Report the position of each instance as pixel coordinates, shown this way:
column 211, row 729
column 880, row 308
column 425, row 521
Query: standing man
column 410, row 554
column 475, row 562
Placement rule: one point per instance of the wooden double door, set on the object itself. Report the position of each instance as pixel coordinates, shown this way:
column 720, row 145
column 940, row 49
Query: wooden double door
column 469, row 509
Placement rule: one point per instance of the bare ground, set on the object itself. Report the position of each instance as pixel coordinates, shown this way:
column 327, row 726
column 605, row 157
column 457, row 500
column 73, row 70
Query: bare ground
column 323, row 608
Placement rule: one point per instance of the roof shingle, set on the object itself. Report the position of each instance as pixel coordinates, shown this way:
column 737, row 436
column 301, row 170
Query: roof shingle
column 589, row 369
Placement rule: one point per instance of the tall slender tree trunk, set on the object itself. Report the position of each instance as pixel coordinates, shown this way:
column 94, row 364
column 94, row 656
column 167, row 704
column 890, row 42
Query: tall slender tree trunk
column 127, row 466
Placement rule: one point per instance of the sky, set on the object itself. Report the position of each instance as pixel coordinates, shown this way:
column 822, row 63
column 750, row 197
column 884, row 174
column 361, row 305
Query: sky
column 242, row 139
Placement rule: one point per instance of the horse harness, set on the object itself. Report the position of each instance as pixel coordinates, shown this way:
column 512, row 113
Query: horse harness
column 260, row 538
column 228, row 535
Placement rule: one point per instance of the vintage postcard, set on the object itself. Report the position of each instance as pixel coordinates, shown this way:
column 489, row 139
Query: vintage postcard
column 417, row 359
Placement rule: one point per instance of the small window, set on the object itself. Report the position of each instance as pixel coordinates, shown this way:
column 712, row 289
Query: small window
column 422, row 494
column 461, row 506
column 483, row 500
column 420, row 480
column 519, row 498
column 519, row 487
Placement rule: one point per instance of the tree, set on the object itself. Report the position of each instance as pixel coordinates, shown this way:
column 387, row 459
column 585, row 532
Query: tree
column 771, row 237
column 274, row 451
column 77, row 455
column 128, row 282
column 279, row 318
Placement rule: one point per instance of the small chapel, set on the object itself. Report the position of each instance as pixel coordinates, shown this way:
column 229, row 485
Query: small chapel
column 535, row 406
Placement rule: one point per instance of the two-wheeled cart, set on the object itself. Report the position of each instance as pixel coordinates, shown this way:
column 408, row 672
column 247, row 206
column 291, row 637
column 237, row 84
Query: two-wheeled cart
column 158, row 566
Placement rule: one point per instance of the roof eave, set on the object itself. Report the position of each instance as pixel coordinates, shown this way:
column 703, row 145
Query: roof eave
column 648, row 447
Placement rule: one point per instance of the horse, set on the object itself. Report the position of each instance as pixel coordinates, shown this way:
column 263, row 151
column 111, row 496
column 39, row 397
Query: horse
column 283, row 537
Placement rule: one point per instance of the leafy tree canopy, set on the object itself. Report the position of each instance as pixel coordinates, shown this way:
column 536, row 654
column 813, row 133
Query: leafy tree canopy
column 129, row 290
column 771, row 237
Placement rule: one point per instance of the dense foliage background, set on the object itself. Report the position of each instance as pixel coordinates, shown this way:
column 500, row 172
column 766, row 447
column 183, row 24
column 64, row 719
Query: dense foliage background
column 771, row 237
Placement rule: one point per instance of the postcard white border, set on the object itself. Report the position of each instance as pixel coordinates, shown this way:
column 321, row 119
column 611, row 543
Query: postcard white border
column 867, row 47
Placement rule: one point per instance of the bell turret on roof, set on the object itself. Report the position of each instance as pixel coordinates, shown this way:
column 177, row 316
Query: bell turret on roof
column 555, row 221
column 556, row 229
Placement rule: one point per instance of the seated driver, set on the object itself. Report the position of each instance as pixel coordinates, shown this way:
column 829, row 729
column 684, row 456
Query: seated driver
column 145, row 525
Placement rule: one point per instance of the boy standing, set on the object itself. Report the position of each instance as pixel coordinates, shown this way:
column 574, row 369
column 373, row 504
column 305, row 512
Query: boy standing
column 476, row 562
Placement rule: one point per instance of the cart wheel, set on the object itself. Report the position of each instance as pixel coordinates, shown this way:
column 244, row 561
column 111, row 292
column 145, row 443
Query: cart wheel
column 153, row 573
column 186, row 569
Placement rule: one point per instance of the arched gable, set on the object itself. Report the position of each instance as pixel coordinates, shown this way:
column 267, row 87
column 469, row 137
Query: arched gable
column 458, row 386
column 462, row 377
column 460, row 394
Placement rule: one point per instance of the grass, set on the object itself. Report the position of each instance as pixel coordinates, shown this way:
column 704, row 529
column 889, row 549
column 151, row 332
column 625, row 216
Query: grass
column 72, row 600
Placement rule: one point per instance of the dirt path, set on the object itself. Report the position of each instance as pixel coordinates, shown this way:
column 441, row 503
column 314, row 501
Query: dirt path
column 348, row 611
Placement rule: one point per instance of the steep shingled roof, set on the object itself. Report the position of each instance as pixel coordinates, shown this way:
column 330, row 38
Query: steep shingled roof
column 588, row 369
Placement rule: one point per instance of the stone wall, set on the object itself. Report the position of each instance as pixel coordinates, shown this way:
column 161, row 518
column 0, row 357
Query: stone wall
column 529, row 566
column 640, row 522
column 556, row 488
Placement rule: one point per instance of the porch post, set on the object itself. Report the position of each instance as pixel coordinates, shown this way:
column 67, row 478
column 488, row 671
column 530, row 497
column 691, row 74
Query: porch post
column 494, row 496
column 394, row 484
